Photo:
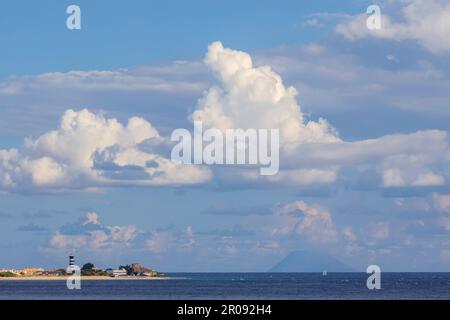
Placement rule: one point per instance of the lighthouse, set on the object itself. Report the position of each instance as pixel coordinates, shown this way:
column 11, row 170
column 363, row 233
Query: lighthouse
column 71, row 261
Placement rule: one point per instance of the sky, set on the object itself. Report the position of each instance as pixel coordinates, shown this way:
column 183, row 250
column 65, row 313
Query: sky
column 86, row 118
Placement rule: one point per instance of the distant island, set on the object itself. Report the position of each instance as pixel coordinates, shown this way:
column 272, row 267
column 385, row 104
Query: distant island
column 88, row 271
column 308, row 261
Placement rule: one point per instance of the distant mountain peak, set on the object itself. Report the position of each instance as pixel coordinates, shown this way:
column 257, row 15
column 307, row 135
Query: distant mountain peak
column 309, row 261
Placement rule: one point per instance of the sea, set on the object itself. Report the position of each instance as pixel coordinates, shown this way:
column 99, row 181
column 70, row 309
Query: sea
column 239, row 286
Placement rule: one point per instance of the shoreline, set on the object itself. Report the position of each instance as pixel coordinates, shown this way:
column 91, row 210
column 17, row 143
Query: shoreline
column 83, row 278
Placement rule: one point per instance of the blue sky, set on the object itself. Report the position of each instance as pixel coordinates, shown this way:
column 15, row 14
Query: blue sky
column 142, row 32
column 371, row 185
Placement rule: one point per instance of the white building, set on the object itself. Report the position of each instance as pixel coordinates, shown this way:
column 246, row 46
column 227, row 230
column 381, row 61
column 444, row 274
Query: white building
column 116, row 272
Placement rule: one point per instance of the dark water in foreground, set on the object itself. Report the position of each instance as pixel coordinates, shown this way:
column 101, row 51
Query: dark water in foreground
column 241, row 286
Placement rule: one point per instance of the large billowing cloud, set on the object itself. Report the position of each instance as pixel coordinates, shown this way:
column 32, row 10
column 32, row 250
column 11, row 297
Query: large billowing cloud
column 255, row 97
column 427, row 22
column 249, row 96
column 312, row 153
column 89, row 150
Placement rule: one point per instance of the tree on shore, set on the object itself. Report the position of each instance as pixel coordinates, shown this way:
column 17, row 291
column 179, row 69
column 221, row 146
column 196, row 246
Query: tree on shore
column 88, row 266
column 7, row 274
column 89, row 269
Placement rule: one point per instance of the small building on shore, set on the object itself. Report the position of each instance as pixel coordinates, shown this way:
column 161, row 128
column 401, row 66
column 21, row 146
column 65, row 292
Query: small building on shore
column 55, row 272
column 116, row 272
column 28, row 272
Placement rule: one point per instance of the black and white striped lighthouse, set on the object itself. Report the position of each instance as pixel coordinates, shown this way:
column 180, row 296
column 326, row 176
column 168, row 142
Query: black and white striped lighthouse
column 71, row 261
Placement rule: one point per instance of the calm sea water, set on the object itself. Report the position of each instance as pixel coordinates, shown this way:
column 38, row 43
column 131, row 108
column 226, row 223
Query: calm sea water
column 241, row 286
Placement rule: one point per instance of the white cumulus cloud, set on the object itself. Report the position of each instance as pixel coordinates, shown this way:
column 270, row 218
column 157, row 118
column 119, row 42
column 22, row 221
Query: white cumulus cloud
column 248, row 96
column 427, row 22
column 90, row 150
